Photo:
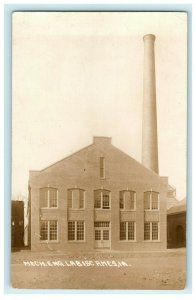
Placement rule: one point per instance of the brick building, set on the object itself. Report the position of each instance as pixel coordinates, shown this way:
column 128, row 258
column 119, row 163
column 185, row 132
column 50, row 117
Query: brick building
column 99, row 197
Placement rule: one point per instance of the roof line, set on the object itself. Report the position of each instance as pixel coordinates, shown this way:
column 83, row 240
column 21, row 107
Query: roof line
column 65, row 158
column 176, row 212
column 154, row 173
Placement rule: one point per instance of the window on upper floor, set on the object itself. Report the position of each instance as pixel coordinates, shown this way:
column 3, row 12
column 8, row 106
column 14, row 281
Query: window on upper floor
column 102, row 199
column 102, row 167
column 127, row 200
column 151, row 200
column 75, row 198
column 48, row 197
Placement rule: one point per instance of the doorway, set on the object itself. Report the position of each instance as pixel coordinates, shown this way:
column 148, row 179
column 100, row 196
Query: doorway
column 102, row 234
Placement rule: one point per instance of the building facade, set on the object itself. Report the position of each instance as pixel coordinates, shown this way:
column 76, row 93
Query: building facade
column 98, row 198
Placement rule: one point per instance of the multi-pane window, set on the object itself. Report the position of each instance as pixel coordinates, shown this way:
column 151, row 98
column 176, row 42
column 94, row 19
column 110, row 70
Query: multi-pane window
column 147, row 231
column 155, row 231
column 123, row 230
column 75, row 198
column 80, row 230
column 81, row 198
column 131, row 231
column 102, row 167
column 154, row 200
column 151, row 200
column 102, row 231
column 97, row 235
column 151, row 231
column 48, row 230
column 98, row 199
column 102, row 199
column 44, row 230
column 106, row 199
column 71, row 230
column 75, row 230
column 127, row 200
column 48, row 197
column 106, row 235
column 53, row 230
column 127, row 231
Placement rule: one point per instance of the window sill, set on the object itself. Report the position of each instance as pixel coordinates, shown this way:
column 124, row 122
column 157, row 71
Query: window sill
column 102, row 209
column 48, row 207
column 151, row 241
column 74, row 209
column 151, row 209
column 128, row 241
column 76, row 242
column 127, row 210
column 49, row 242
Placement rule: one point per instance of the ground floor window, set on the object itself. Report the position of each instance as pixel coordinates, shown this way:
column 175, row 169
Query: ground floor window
column 48, row 230
column 75, row 230
column 127, row 231
column 151, row 231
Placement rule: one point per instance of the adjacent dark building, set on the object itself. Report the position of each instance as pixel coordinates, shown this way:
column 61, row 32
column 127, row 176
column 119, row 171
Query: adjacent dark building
column 176, row 225
column 17, row 222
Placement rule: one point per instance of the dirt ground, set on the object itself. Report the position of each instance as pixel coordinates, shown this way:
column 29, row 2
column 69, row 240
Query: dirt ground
column 142, row 270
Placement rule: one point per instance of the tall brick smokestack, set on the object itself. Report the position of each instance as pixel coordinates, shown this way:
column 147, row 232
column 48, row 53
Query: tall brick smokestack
column 149, row 126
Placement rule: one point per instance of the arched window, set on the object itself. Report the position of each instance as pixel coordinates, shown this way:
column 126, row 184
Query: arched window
column 151, row 200
column 75, row 198
column 102, row 199
column 127, row 200
column 48, row 197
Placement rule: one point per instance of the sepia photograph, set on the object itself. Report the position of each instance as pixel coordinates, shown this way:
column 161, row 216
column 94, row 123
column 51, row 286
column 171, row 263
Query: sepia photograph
column 99, row 150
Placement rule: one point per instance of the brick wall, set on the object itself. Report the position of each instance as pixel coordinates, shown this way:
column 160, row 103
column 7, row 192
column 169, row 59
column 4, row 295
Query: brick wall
column 81, row 170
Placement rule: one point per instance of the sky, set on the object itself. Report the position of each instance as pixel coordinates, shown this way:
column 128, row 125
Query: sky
column 79, row 75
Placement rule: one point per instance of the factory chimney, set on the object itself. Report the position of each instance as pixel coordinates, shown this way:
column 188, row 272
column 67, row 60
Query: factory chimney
column 149, row 125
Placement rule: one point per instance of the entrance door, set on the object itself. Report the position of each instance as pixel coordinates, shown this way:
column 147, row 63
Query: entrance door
column 102, row 234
